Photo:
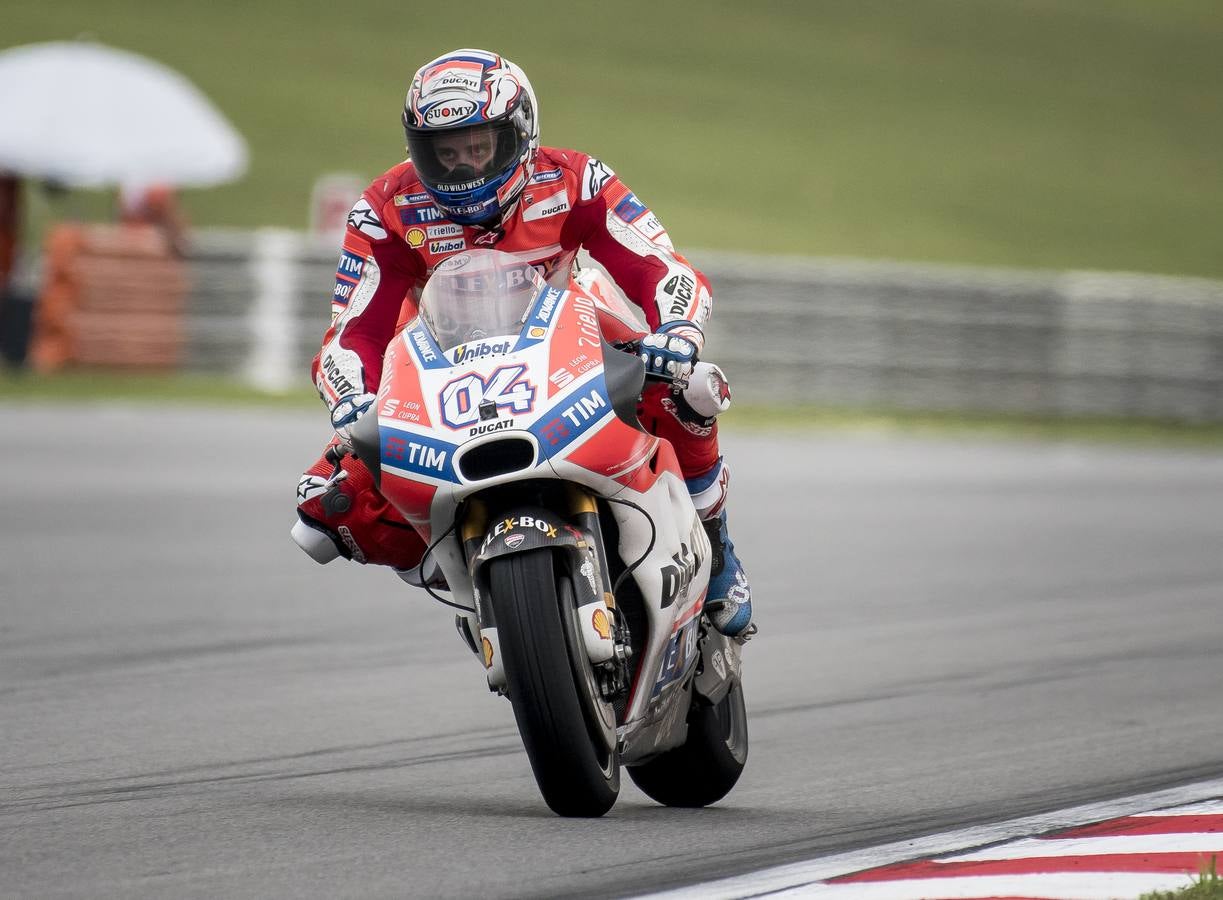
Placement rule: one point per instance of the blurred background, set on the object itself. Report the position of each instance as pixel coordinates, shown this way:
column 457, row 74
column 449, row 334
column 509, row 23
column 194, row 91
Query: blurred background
column 931, row 173
column 966, row 213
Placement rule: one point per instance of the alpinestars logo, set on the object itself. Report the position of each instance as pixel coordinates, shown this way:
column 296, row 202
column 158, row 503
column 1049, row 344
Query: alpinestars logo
column 595, row 176
column 309, row 487
column 364, row 220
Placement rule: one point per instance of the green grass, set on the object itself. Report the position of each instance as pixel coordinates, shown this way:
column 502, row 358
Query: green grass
column 1034, row 133
column 1208, row 886
column 92, row 387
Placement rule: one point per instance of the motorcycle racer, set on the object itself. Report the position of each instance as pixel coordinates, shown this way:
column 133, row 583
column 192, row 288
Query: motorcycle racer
column 477, row 176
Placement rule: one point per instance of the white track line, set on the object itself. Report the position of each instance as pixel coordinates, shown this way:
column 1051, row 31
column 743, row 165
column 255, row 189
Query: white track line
column 1056, row 886
column 1095, row 846
column 1209, row 808
column 808, row 873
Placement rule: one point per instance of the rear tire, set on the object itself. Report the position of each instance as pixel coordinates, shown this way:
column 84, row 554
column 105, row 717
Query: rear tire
column 706, row 766
column 549, row 678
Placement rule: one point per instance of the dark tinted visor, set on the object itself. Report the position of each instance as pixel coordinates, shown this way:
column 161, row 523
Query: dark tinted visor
column 461, row 159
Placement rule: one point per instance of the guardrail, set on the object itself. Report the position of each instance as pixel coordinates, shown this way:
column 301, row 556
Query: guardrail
column 819, row 332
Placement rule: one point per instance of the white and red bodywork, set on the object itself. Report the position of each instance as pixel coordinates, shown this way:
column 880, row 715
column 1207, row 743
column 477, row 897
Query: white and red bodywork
column 546, row 386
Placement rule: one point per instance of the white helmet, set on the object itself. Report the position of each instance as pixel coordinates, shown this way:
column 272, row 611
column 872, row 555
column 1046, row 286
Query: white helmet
column 473, row 132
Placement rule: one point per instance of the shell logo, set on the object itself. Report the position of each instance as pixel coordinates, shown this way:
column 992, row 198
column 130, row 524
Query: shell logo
column 415, row 237
column 537, row 332
column 488, row 652
column 599, row 620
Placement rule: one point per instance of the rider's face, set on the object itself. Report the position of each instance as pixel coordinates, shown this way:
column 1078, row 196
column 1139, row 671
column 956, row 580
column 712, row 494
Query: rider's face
column 473, row 148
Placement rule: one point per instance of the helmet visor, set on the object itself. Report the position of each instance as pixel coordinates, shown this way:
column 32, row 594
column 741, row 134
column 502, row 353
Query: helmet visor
column 462, row 159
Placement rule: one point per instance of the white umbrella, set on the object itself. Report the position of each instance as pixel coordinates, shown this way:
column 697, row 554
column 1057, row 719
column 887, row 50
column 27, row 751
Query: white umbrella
column 87, row 115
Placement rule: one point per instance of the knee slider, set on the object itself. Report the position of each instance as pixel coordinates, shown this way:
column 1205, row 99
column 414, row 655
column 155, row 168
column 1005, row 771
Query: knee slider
column 315, row 540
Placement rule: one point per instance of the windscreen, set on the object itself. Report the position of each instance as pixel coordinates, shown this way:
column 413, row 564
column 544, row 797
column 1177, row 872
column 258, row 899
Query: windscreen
column 477, row 295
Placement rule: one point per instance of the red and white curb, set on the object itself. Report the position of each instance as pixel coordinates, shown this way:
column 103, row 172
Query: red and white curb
column 1103, row 851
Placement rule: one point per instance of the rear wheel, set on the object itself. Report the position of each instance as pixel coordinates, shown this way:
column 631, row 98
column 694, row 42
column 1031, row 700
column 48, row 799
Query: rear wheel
column 706, row 766
column 567, row 728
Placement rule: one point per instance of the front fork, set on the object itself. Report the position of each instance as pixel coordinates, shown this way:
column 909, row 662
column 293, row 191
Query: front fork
column 604, row 632
column 613, row 672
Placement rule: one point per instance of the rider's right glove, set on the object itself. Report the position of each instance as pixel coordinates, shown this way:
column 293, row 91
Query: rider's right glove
column 344, row 415
column 671, row 351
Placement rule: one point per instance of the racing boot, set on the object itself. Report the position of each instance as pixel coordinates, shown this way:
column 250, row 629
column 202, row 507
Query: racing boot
column 341, row 513
column 729, row 601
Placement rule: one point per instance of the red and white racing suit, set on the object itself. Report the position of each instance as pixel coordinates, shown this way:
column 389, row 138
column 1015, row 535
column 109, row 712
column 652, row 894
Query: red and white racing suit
column 394, row 240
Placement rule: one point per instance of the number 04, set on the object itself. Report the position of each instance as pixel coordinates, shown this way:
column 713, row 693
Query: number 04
column 507, row 388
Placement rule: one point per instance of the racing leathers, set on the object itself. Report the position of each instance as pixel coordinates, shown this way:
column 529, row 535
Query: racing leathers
column 396, row 237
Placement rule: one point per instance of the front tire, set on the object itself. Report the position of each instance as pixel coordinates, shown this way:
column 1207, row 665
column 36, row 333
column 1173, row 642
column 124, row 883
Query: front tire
column 547, row 674
column 706, row 766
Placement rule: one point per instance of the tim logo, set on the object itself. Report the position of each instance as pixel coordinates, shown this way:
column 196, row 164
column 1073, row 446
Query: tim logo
column 409, row 454
column 629, row 209
column 421, row 214
column 555, row 432
column 350, row 266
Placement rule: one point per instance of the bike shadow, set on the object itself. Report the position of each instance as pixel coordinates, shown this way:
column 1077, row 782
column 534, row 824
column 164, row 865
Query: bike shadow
column 633, row 808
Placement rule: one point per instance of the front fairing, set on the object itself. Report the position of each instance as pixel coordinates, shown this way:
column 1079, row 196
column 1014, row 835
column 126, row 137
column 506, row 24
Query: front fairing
column 466, row 403
column 540, row 403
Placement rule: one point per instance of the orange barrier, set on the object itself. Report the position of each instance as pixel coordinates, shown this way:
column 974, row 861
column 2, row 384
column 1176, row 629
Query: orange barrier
column 114, row 296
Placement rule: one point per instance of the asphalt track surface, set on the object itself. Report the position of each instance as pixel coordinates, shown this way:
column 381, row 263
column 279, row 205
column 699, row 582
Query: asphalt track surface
column 952, row 632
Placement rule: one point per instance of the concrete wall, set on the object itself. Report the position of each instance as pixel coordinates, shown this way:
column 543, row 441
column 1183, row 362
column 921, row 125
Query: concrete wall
column 822, row 332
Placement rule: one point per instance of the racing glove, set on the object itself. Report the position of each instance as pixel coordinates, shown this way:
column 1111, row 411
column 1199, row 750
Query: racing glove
column 671, row 351
column 344, row 415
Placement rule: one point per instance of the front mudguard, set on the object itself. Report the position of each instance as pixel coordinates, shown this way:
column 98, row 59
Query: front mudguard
column 522, row 528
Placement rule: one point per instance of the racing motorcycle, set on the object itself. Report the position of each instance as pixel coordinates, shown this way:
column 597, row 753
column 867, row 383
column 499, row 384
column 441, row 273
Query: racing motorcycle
column 506, row 433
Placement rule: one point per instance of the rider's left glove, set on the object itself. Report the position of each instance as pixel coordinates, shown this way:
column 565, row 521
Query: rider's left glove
column 347, row 410
column 672, row 350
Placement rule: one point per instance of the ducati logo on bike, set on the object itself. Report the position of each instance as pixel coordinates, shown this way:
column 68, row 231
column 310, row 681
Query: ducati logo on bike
column 678, row 575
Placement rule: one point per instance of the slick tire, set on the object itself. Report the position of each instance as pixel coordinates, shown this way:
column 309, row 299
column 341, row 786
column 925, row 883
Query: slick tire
column 550, row 685
column 706, row 766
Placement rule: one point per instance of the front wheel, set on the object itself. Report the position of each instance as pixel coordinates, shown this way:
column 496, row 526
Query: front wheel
column 547, row 673
column 706, row 766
